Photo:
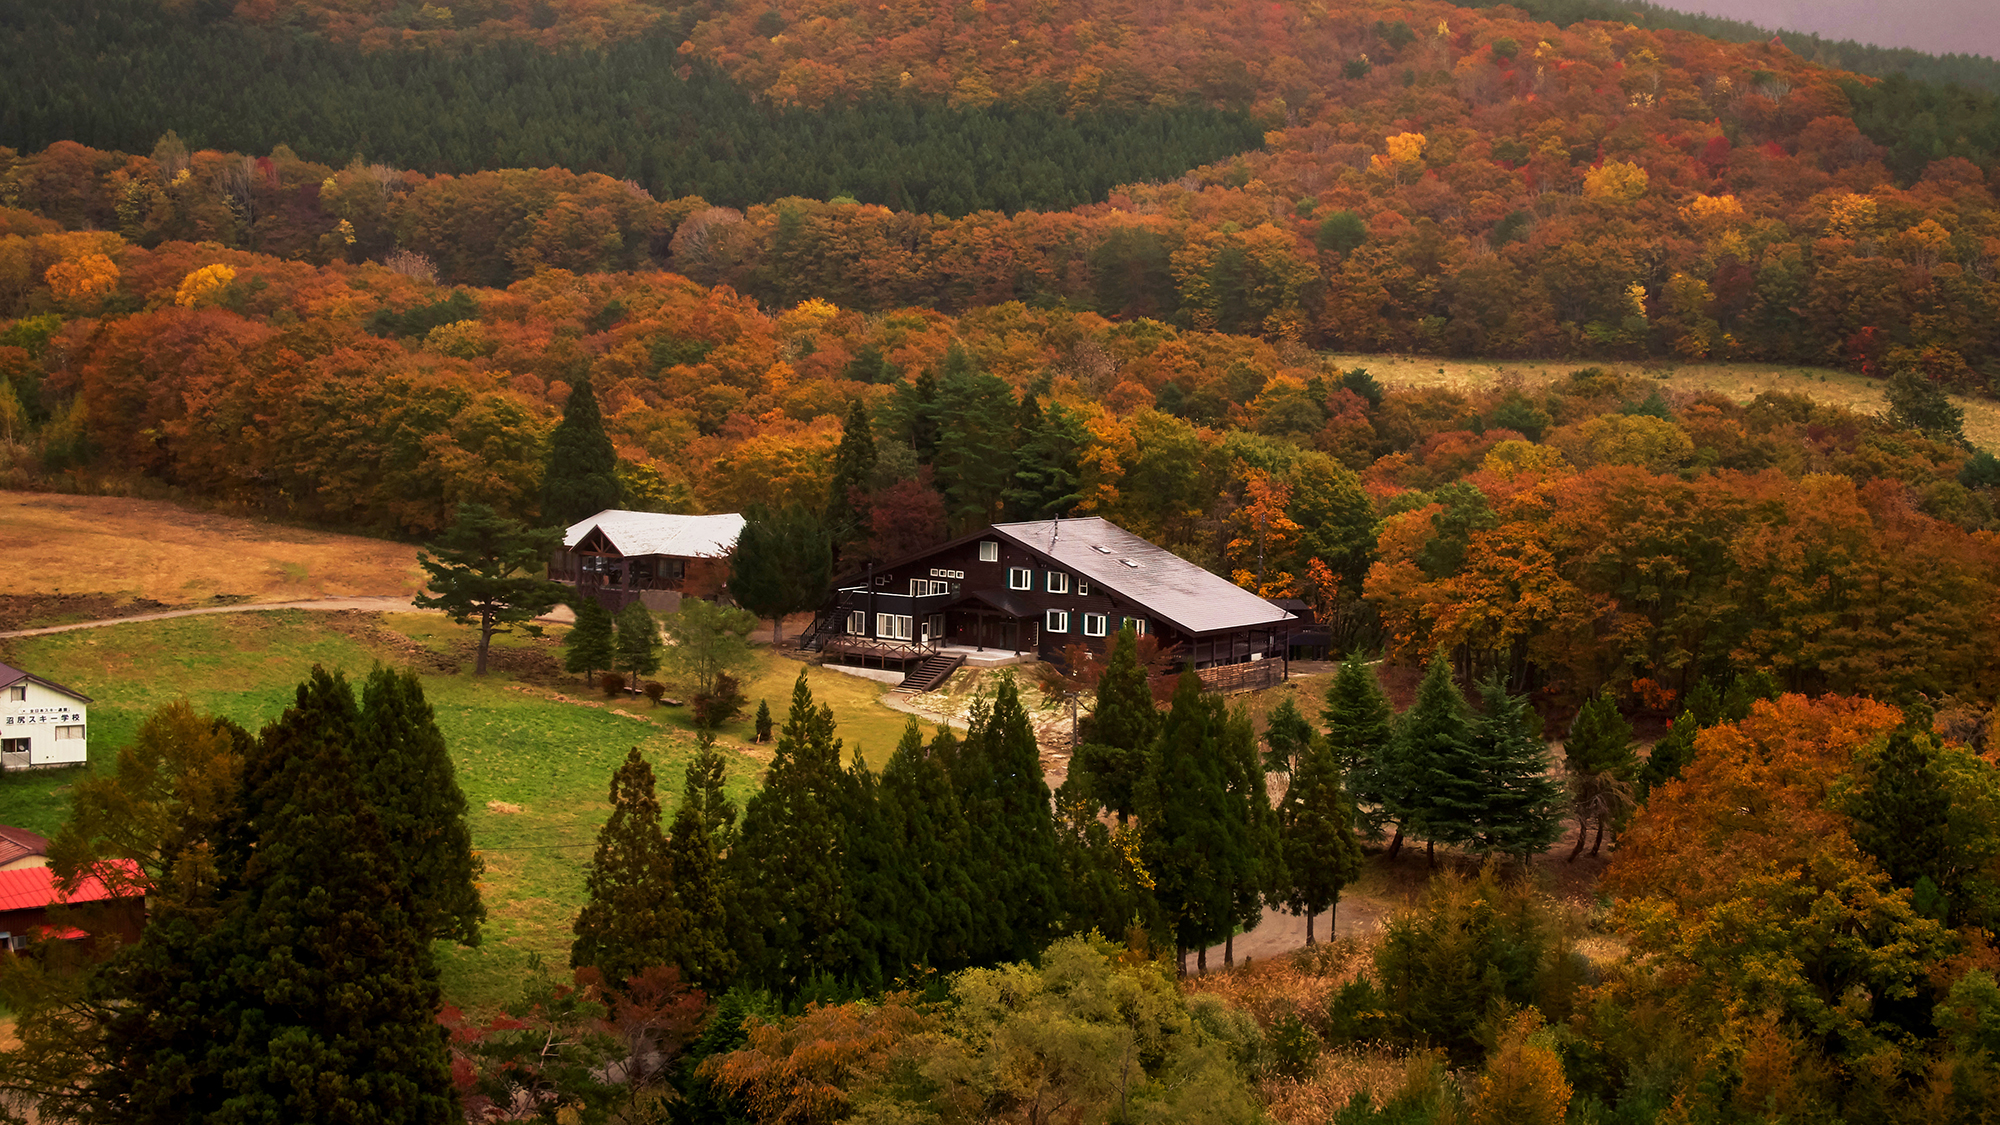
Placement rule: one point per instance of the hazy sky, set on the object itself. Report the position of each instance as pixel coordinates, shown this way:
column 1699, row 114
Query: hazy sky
column 1940, row 26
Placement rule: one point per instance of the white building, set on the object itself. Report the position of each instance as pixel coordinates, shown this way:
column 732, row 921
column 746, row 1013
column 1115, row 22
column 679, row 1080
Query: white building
column 42, row 723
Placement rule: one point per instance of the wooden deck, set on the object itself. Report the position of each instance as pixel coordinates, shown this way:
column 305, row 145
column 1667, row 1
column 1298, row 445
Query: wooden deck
column 871, row 648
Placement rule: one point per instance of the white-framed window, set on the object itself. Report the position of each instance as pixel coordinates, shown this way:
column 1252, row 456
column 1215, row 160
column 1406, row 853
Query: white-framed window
column 919, row 587
column 894, row 626
column 66, row 734
column 1094, row 624
column 1058, row 582
column 1082, row 588
column 989, row 551
column 18, row 693
column 1020, row 578
column 1136, row 624
column 1056, row 621
column 857, row 623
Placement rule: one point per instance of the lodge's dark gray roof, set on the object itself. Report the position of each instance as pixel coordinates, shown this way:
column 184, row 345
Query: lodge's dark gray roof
column 1168, row 586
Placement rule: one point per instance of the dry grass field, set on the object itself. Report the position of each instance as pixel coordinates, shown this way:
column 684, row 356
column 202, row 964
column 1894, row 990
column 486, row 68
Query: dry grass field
column 129, row 551
column 1740, row 381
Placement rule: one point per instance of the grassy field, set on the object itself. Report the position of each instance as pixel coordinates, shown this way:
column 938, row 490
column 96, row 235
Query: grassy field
column 150, row 549
column 1740, row 381
column 534, row 751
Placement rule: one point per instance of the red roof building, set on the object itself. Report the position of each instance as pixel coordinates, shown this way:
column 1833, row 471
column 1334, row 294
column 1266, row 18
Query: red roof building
column 28, row 894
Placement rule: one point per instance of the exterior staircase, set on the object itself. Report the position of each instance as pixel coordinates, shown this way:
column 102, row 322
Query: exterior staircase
column 935, row 669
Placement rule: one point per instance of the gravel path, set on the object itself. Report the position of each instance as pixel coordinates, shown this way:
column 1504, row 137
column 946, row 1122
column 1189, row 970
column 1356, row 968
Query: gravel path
column 370, row 604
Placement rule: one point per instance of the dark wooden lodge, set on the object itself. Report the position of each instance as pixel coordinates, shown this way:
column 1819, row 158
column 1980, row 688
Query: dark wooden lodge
column 1036, row 588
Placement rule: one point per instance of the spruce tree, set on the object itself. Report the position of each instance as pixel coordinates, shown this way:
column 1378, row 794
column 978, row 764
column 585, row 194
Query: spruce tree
column 407, row 775
column 638, row 645
column 1316, row 826
column 1013, row 843
column 880, row 938
column 1431, row 745
column 629, row 921
column 591, row 643
column 1191, row 834
column 928, row 824
column 305, row 963
column 791, row 903
column 1123, row 727
column 1522, row 805
column 1598, row 756
column 853, row 469
column 704, row 824
column 580, row 476
column 1361, row 738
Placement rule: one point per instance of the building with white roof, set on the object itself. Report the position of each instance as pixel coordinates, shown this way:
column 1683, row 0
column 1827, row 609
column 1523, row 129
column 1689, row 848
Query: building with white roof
column 620, row 557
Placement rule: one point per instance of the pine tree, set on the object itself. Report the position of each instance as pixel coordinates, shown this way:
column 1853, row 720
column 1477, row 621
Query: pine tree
column 305, row 967
column 928, row 824
column 1670, row 755
column 1048, row 448
column 791, row 903
column 638, row 646
column 629, row 921
column 1316, row 825
column 1286, row 734
column 704, row 825
column 879, row 938
column 590, row 644
column 1259, row 872
column 974, row 460
column 1123, row 727
column 1361, row 737
column 1522, row 806
column 1431, row 745
column 1902, row 815
column 407, row 774
column 1191, row 835
column 580, row 477
column 1013, row 844
column 1599, row 758
column 783, row 563
column 853, row 469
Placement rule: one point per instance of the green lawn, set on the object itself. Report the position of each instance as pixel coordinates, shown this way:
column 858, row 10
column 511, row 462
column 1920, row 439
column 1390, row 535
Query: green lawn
column 515, row 744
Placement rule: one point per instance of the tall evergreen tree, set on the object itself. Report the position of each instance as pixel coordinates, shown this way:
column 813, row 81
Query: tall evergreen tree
column 1521, row 806
column 1259, row 872
column 787, row 864
column 638, row 646
column 591, row 643
column 407, row 774
column 1123, row 727
column 1431, row 745
column 487, row 571
column 1013, row 851
column 1316, row 826
column 881, row 935
column 629, row 921
column 1191, row 835
column 1048, row 451
column 1599, row 759
column 1670, row 755
column 580, row 476
column 974, row 461
column 928, row 823
column 1286, row 735
column 1902, row 816
column 1361, row 727
column 783, row 563
column 703, row 828
column 853, row 470
column 914, row 406
column 299, row 987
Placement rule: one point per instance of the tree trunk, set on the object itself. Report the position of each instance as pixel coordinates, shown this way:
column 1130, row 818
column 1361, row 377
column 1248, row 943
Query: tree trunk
column 1582, row 830
column 1201, row 961
column 1229, row 950
column 1430, row 854
column 777, row 632
column 1309, row 927
column 1333, row 920
column 1396, row 844
column 485, row 641
column 1594, row 843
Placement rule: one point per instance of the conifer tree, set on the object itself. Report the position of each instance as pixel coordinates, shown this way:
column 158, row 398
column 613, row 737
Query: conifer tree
column 853, row 469
column 1286, row 734
column 580, row 476
column 629, row 921
column 1432, row 745
column 1013, row 844
column 1048, row 447
column 926, row 821
column 298, row 987
column 704, row 824
column 787, row 863
column 1522, row 805
column 1123, row 727
column 1316, row 825
column 407, row 774
column 1259, row 871
column 783, row 563
column 1902, row 815
column 1599, row 758
column 487, row 572
column 1361, row 738
column 1191, row 835
column 591, row 643
column 638, row 645
column 1670, row 755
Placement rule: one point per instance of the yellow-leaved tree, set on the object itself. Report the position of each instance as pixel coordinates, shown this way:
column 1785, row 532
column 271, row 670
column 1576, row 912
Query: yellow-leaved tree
column 204, row 286
column 83, row 280
column 1616, row 181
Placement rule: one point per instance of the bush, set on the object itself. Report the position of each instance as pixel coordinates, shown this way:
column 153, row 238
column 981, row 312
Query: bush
column 613, row 684
column 654, row 690
column 717, row 707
